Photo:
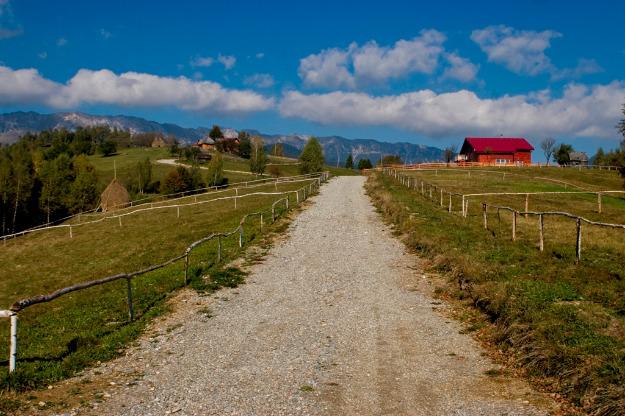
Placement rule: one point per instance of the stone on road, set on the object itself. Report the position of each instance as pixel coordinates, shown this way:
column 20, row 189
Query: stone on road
column 337, row 320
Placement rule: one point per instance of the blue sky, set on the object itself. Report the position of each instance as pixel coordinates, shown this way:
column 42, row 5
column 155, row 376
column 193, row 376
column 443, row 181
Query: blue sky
column 413, row 71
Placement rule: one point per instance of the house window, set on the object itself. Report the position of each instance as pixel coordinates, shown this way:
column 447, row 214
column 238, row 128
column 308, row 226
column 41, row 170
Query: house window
column 501, row 161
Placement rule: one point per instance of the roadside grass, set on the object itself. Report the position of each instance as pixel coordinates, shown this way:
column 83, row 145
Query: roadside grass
column 57, row 339
column 563, row 323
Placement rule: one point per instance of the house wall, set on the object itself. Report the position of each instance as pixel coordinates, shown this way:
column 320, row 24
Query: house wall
column 510, row 158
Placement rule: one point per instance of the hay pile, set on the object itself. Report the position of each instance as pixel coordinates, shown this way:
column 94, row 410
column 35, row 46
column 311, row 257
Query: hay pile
column 115, row 196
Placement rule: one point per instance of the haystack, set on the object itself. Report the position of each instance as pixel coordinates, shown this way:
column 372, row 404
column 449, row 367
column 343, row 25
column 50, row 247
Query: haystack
column 115, row 196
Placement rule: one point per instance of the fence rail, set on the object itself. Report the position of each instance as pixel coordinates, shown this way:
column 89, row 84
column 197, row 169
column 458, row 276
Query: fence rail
column 153, row 205
column 164, row 198
column 20, row 305
column 436, row 194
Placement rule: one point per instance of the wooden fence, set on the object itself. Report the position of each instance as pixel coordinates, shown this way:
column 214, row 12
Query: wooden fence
column 20, row 305
column 443, row 197
column 161, row 204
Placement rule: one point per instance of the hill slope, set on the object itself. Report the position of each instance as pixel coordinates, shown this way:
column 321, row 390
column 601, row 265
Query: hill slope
column 14, row 125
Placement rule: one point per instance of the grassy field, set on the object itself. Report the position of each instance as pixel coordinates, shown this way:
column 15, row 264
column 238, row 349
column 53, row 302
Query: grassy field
column 58, row 338
column 563, row 323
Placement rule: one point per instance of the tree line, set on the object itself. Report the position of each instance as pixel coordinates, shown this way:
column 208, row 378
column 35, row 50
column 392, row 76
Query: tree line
column 46, row 175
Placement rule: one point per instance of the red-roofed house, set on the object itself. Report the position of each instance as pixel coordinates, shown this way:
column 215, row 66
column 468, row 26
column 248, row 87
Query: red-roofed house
column 496, row 150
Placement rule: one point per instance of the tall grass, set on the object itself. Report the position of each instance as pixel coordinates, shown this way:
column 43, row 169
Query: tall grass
column 563, row 323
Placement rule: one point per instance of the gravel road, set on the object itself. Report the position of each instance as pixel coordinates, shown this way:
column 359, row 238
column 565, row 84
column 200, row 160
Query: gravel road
column 337, row 320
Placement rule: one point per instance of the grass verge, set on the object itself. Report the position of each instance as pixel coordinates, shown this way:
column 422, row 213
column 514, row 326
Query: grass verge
column 564, row 324
column 59, row 338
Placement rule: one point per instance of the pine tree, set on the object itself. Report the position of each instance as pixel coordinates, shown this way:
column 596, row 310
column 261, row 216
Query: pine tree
column 349, row 163
column 311, row 158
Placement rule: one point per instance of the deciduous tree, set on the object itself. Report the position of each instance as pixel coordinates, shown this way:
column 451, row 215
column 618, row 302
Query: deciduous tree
column 258, row 159
column 311, row 159
column 215, row 170
column 548, row 145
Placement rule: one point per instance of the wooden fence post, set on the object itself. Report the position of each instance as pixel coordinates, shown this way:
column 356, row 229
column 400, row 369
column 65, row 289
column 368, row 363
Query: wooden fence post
column 527, row 203
column 599, row 202
column 219, row 249
column 450, row 207
column 13, row 342
column 178, row 212
column 441, row 197
column 261, row 222
column 422, row 188
column 578, row 245
column 541, row 232
column 485, row 215
column 464, row 213
column 430, row 191
column 120, row 220
column 131, row 309
column 71, row 235
column 241, row 236
column 186, row 268
column 513, row 225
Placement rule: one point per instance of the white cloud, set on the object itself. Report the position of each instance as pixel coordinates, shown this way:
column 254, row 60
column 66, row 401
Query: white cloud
column 523, row 52
column 42, row 55
column 61, row 42
column 260, row 80
column 584, row 67
column 227, row 61
column 8, row 27
column 327, row 69
column 460, row 68
column 582, row 111
column 105, row 34
column 371, row 63
column 27, row 86
column 260, row 55
column 202, row 61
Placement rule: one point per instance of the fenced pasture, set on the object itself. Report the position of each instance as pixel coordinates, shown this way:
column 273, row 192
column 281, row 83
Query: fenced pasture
column 546, row 212
column 560, row 319
column 80, row 327
column 161, row 201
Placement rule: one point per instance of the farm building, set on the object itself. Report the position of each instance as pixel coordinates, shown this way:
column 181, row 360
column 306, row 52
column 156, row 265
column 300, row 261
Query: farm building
column 205, row 143
column 496, row 150
column 578, row 159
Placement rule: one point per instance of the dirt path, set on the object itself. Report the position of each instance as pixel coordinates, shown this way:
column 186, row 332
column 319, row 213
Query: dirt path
column 337, row 320
column 173, row 162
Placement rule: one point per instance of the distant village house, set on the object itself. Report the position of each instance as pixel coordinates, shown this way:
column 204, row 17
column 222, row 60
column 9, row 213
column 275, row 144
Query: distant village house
column 496, row 151
column 578, row 159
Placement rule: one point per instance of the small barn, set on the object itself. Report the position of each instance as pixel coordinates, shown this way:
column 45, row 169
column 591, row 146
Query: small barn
column 159, row 142
column 115, row 196
column 578, row 159
column 496, row 150
column 205, row 143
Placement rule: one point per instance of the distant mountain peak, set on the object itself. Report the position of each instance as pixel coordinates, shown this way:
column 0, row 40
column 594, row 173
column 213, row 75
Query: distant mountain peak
column 16, row 124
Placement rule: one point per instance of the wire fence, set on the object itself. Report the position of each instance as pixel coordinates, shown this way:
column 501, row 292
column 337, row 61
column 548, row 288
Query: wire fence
column 20, row 305
column 445, row 199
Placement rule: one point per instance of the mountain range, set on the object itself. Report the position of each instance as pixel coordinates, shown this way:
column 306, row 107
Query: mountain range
column 336, row 148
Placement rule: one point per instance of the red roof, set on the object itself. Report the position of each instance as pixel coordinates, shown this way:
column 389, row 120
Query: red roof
column 498, row 144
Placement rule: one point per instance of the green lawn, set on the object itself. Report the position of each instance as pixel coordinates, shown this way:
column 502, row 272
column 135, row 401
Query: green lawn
column 58, row 338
